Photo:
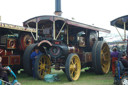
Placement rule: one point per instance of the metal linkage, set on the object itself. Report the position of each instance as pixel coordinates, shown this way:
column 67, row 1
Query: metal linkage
column 60, row 30
column 118, row 32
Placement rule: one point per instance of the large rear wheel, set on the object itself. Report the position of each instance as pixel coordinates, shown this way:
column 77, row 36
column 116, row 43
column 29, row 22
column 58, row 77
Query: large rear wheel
column 27, row 64
column 42, row 66
column 101, row 57
column 73, row 67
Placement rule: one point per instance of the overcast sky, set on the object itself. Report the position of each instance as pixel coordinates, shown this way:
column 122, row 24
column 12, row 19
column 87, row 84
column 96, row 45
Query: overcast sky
column 97, row 12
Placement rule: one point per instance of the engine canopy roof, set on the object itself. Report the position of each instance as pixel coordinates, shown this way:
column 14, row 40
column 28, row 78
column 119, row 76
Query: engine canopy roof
column 67, row 21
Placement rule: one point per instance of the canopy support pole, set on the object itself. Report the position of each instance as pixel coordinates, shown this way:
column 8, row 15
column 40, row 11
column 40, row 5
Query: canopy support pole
column 67, row 36
column 124, row 30
column 118, row 32
column 54, row 30
column 36, row 31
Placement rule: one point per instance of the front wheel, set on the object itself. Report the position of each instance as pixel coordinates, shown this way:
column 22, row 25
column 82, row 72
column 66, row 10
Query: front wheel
column 73, row 67
column 42, row 66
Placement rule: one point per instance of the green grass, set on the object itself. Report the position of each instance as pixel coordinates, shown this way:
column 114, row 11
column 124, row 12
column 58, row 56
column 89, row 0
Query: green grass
column 86, row 78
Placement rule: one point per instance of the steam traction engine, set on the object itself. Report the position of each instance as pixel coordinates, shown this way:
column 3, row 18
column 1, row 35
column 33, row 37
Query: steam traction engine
column 66, row 45
column 13, row 41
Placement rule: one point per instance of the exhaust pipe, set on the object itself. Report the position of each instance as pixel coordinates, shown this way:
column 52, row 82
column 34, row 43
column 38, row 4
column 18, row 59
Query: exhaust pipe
column 58, row 7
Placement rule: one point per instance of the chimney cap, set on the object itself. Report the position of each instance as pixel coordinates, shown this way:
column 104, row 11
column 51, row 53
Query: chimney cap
column 58, row 13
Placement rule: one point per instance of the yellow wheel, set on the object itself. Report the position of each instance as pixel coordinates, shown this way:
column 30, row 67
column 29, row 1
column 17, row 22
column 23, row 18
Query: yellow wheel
column 73, row 67
column 105, row 58
column 42, row 66
column 101, row 57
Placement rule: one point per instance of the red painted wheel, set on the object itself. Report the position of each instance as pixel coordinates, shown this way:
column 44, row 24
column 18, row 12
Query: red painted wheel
column 25, row 40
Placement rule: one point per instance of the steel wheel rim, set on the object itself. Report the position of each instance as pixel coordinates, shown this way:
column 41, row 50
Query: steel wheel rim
column 44, row 66
column 105, row 58
column 75, row 67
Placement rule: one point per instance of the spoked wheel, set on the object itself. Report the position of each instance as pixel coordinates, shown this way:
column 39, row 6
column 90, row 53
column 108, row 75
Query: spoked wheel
column 73, row 67
column 25, row 40
column 26, row 59
column 101, row 57
column 42, row 66
column 124, row 81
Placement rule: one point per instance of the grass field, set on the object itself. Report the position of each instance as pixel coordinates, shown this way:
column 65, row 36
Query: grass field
column 86, row 78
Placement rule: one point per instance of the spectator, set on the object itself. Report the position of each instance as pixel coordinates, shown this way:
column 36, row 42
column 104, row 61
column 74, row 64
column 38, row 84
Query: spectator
column 124, row 61
column 3, row 72
column 114, row 56
column 33, row 57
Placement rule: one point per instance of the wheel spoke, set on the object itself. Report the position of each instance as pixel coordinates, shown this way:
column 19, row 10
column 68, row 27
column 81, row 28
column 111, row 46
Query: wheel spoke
column 71, row 67
column 104, row 49
column 40, row 62
column 39, row 69
column 75, row 62
column 41, row 72
column 72, row 62
column 71, row 74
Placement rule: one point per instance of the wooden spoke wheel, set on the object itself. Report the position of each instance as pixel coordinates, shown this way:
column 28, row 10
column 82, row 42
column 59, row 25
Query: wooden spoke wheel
column 42, row 66
column 73, row 67
column 101, row 57
column 27, row 64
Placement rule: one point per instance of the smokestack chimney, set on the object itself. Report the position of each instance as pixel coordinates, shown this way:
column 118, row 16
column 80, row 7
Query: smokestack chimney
column 58, row 8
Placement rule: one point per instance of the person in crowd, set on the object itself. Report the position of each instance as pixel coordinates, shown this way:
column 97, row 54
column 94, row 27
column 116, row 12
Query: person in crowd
column 114, row 56
column 124, row 60
column 3, row 72
column 33, row 58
